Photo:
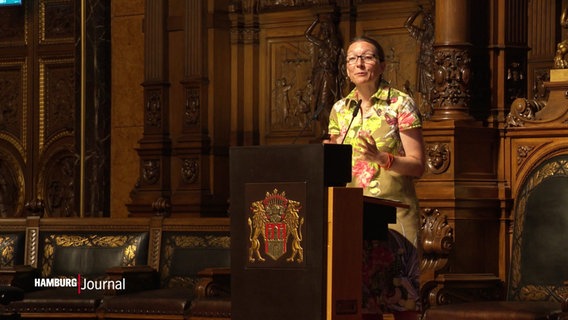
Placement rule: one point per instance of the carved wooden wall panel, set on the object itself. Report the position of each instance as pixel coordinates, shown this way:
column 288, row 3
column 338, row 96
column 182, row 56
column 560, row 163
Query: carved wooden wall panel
column 15, row 128
column 289, row 86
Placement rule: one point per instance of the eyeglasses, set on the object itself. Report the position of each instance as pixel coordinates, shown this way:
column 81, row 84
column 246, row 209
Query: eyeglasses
column 367, row 59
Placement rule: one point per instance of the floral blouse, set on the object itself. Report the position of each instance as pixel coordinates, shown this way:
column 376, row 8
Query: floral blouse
column 392, row 111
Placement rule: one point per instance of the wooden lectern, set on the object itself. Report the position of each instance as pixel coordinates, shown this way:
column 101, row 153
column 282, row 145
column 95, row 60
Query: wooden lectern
column 296, row 233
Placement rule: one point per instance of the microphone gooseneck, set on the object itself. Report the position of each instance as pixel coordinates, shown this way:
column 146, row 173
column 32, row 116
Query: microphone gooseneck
column 355, row 113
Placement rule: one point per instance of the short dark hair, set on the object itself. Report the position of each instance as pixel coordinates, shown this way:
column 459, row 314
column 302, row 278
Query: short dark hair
column 375, row 43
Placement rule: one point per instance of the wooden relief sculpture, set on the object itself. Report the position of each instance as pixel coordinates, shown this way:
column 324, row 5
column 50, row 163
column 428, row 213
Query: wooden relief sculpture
column 424, row 33
column 326, row 79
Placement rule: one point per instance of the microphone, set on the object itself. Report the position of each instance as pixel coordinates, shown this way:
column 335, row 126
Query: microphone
column 355, row 113
column 312, row 118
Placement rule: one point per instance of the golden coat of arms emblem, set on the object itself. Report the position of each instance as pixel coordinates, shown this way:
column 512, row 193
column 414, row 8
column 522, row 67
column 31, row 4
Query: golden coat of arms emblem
column 273, row 222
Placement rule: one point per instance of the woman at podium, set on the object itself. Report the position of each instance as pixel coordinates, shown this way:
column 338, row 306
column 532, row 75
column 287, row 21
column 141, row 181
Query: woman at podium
column 384, row 127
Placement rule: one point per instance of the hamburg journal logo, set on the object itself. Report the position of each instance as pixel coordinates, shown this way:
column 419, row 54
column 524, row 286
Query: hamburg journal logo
column 82, row 284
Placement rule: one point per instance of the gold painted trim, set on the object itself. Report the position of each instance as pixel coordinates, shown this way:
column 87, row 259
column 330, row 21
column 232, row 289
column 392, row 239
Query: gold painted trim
column 557, row 167
column 42, row 143
column 83, row 108
column 42, row 38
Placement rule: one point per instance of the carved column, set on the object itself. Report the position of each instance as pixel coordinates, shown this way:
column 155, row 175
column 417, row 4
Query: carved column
column 245, row 32
column 152, row 191
column 451, row 97
column 461, row 179
column 193, row 145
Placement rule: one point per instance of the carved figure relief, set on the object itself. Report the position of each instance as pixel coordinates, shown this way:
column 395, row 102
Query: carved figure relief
column 424, row 33
column 151, row 171
column 438, row 157
column 291, row 88
column 328, row 53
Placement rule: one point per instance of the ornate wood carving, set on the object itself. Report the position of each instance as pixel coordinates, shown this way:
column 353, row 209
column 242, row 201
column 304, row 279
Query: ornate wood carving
column 153, row 111
column 151, row 171
column 437, row 242
column 57, row 21
column 192, row 108
column 190, row 170
column 438, row 157
column 424, row 33
column 451, row 96
column 523, row 152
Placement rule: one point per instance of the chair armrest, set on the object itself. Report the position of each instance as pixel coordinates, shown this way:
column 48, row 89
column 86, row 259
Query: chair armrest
column 213, row 282
column 21, row 276
column 134, row 278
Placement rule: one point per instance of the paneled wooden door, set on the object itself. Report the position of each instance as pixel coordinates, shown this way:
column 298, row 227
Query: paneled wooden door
column 54, row 108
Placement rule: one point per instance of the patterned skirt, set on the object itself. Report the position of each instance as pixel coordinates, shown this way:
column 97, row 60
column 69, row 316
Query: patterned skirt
column 391, row 271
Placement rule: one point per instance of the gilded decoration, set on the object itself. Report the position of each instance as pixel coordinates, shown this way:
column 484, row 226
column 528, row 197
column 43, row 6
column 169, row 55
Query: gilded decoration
column 176, row 241
column 521, row 289
column 7, row 246
column 438, row 157
column 560, row 61
column 56, row 100
column 31, row 245
column 274, row 221
column 128, row 243
column 57, row 21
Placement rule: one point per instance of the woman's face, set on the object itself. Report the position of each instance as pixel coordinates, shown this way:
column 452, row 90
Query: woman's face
column 365, row 67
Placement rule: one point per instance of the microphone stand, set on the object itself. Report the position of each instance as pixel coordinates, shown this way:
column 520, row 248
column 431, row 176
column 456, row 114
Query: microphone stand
column 355, row 113
column 312, row 118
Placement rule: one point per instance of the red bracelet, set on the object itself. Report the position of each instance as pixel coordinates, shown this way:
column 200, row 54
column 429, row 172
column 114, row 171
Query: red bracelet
column 390, row 160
